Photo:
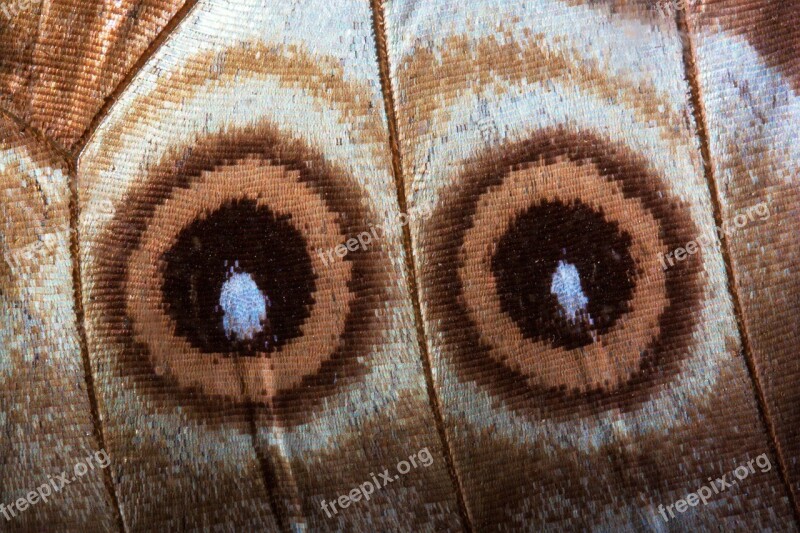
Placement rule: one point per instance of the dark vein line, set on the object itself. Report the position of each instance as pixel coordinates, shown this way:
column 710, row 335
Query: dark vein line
column 79, row 315
column 74, row 214
column 382, row 51
column 72, row 158
column 39, row 135
column 698, row 110
column 267, row 468
column 269, row 474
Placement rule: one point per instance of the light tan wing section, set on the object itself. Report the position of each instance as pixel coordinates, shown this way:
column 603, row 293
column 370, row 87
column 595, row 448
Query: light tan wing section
column 587, row 380
column 252, row 355
column 748, row 78
column 60, row 60
column 46, row 426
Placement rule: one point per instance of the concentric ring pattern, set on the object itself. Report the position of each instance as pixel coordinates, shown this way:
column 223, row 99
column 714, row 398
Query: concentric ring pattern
column 243, row 206
column 204, row 271
column 555, row 144
column 215, row 198
column 550, row 272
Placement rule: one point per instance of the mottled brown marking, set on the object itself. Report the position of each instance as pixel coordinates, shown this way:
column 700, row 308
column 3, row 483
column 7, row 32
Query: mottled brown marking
column 46, row 424
column 749, row 169
column 536, row 485
column 292, row 66
column 465, row 66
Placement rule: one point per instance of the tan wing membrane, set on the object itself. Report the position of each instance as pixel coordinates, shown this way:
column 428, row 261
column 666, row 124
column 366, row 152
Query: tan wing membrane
column 46, row 425
column 401, row 265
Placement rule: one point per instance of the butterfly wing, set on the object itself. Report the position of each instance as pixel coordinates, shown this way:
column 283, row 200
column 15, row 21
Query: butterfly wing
column 245, row 156
column 558, row 149
column 263, row 254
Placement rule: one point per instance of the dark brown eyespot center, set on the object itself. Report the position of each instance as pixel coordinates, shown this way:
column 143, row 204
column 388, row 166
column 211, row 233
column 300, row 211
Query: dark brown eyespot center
column 239, row 281
column 565, row 273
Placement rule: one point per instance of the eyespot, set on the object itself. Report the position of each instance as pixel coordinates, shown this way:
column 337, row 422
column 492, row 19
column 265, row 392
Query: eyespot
column 214, row 263
column 549, row 277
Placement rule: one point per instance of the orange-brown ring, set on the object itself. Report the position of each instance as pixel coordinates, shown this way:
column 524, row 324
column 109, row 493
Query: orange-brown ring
column 458, row 337
column 613, row 358
column 282, row 191
column 108, row 275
